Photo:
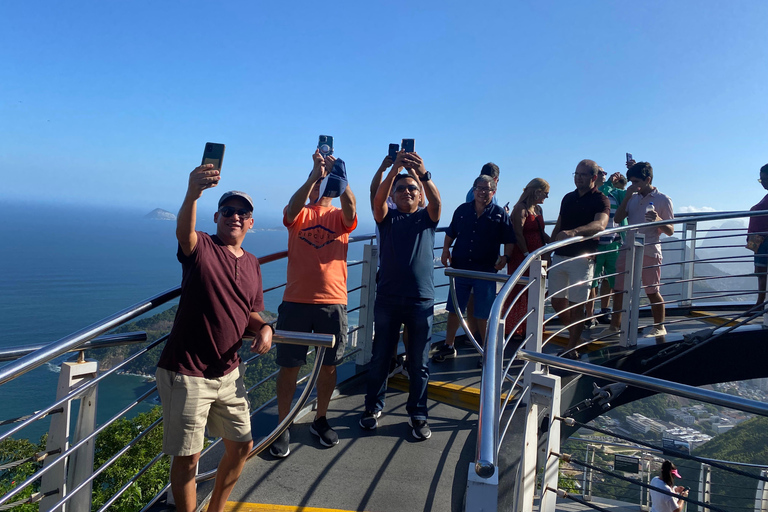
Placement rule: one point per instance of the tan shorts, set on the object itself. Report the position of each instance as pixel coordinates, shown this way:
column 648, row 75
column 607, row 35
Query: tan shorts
column 192, row 403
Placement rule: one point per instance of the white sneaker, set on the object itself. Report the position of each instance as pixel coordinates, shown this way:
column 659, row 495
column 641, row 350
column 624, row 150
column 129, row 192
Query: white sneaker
column 609, row 332
column 653, row 331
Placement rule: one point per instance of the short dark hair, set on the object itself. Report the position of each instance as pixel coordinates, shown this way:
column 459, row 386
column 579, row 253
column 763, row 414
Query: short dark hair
column 764, row 169
column 398, row 178
column 484, row 178
column 490, row 169
column 641, row 170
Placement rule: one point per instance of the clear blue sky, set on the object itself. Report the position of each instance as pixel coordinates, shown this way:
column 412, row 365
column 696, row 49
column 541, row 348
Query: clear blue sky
column 110, row 103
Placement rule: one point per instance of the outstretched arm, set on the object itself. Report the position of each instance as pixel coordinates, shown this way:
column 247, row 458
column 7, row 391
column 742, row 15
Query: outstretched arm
column 413, row 161
column 380, row 208
column 376, row 181
column 200, row 178
column 299, row 198
column 348, row 207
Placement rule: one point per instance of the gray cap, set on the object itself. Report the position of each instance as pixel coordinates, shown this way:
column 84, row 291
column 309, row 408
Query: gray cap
column 236, row 193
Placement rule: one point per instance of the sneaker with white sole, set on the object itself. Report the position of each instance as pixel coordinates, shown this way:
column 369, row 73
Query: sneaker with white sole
column 324, row 432
column 369, row 420
column 445, row 352
column 279, row 447
column 653, row 331
column 609, row 332
column 420, row 430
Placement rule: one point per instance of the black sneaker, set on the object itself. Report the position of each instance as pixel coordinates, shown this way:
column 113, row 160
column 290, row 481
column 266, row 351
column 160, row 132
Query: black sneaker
column 420, row 429
column 324, row 432
column 445, row 352
column 279, row 447
column 605, row 317
column 368, row 421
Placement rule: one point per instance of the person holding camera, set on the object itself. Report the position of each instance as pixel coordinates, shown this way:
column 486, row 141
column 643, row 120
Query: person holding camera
column 661, row 502
column 198, row 375
column 315, row 297
column 405, row 291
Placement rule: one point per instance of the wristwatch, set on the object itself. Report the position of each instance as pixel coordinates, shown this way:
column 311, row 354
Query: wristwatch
column 427, row 176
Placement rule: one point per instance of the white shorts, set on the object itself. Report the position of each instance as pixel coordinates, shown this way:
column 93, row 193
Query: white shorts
column 571, row 272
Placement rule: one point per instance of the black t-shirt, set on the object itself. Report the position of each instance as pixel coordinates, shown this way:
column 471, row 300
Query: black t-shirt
column 218, row 293
column 477, row 239
column 575, row 211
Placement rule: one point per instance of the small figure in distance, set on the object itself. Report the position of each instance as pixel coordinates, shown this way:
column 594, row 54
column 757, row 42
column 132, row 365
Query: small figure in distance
column 583, row 212
column 666, row 482
column 528, row 223
column 315, row 296
column 757, row 240
column 198, row 375
column 637, row 209
column 405, row 292
column 478, row 228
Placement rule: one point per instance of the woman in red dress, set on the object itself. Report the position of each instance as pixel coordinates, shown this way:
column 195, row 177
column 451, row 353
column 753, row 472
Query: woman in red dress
column 528, row 223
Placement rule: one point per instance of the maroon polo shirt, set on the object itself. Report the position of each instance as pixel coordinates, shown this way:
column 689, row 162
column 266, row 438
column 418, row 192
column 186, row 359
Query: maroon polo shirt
column 218, row 293
column 575, row 211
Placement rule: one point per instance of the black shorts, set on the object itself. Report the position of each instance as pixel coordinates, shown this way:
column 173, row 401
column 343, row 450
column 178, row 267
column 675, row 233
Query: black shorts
column 317, row 318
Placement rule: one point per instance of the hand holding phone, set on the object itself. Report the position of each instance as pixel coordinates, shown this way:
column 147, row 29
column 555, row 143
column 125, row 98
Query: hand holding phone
column 408, row 145
column 213, row 154
column 393, row 149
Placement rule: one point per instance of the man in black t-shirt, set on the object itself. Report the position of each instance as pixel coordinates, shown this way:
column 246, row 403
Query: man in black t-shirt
column 583, row 212
column 198, row 378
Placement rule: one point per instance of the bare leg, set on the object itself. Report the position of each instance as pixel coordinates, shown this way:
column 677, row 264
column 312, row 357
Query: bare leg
column 472, row 322
column 482, row 324
column 286, row 388
column 589, row 307
column 605, row 290
column 618, row 303
column 761, row 282
column 451, row 328
column 657, row 307
column 560, row 303
column 326, row 383
column 183, row 487
column 577, row 315
column 230, row 467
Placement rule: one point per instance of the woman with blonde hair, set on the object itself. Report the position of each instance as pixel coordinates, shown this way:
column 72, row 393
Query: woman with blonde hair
column 528, row 223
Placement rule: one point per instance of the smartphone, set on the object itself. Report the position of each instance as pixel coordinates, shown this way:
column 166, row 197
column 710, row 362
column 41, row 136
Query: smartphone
column 393, row 149
column 213, row 154
column 325, row 145
column 629, row 157
column 407, row 145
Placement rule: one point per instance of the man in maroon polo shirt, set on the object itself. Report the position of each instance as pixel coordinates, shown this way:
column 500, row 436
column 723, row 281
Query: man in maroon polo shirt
column 198, row 376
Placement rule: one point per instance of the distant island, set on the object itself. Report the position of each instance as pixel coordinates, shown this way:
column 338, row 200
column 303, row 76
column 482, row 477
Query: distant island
column 160, row 214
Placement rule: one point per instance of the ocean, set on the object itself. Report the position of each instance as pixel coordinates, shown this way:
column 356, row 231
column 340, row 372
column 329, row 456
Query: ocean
column 66, row 267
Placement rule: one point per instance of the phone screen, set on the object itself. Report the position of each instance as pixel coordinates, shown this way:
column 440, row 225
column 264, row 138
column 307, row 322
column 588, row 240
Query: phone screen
column 213, row 154
column 393, row 149
column 629, row 157
column 408, row 145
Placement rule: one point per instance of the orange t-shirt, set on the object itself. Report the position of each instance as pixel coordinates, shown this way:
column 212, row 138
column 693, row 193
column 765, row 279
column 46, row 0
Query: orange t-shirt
column 317, row 256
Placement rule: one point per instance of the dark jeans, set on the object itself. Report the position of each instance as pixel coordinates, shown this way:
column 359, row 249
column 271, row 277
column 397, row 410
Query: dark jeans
column 389, row 313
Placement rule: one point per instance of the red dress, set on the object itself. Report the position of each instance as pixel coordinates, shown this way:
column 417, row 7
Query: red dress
column 533, row 227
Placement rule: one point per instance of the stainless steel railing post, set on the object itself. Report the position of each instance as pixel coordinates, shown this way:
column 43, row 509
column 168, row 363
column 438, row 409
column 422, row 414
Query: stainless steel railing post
column 637, row 250
column 367, row 301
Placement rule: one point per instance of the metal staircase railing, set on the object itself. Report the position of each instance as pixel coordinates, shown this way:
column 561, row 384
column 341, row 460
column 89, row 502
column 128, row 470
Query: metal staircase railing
column 541, row 390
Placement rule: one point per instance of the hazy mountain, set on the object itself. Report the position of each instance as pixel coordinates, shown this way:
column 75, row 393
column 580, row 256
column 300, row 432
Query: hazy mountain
column 160, row 214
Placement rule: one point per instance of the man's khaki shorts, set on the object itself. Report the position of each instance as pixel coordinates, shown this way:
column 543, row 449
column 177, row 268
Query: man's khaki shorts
column 192, row 403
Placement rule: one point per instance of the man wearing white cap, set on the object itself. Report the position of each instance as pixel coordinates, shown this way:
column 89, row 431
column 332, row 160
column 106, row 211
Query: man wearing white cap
column 198, row 376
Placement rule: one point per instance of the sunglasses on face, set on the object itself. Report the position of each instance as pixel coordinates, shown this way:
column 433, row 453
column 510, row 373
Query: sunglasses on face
column 484, row 190
column 228, row 211
column 409, row 188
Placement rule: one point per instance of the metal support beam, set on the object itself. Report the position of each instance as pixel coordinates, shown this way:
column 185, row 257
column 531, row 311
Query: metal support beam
column 80, row 465
column 546, row 389
column 705, row 486
column 364, row 338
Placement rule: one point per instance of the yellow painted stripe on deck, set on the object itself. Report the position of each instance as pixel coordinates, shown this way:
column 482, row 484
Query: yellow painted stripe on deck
column 465, row 397
column 234, row 506
column 710, row 318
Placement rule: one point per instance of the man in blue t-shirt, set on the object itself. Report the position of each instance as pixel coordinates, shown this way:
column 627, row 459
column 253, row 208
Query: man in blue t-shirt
column 405, row 292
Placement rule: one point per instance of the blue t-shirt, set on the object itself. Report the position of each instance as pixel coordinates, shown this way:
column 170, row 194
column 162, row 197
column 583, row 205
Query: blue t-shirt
column 477, row 239
column 406, row 255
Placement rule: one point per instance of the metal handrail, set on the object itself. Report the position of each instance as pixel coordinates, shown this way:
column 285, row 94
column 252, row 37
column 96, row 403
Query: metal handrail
column 108, row 340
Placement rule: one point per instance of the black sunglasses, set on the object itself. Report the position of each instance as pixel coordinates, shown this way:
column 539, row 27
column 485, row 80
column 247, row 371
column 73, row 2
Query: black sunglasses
column 410, row 188
column 228, row 211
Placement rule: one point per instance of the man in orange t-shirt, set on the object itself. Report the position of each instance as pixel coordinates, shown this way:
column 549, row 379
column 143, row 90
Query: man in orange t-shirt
column 315, row 298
